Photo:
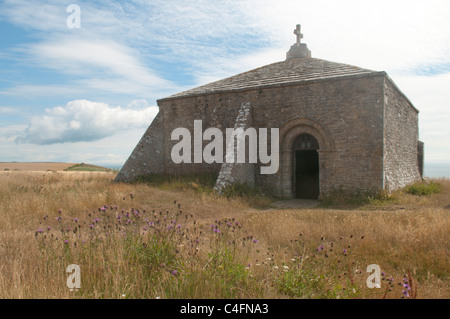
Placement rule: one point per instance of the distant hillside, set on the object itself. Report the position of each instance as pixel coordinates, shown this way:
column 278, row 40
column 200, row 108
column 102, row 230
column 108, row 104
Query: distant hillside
column 51, row 166
column 87, row 168
column 34, row 166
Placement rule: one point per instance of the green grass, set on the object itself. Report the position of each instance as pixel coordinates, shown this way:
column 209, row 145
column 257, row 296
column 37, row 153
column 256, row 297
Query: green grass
column 423, row 188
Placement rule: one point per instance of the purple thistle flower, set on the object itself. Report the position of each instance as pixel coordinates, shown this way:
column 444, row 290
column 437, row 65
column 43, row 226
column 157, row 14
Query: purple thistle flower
column 175, row 272
column 91, row 226
column 255, row 240
column 66, row 242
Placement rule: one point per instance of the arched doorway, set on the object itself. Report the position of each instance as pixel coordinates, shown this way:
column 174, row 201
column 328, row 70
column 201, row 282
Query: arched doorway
column 306, row 167
column 288, row 134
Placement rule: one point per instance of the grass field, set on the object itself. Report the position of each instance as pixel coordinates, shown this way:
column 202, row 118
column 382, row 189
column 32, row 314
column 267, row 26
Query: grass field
column 179, row 241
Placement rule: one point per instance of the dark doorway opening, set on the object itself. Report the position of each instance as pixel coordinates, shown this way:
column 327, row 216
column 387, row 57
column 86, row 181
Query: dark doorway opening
column 306, row 161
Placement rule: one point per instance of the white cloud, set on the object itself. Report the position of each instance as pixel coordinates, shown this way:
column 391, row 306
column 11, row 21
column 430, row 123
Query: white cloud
column 83, row 120
column 79, row 56
column 7, row 110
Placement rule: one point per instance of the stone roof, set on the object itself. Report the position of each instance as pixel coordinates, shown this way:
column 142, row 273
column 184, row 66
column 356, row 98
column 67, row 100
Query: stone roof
column 291, row 71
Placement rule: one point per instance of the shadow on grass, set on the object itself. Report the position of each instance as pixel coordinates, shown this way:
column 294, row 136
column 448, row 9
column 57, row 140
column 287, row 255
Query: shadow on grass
column 203, row 183
column 362, row 199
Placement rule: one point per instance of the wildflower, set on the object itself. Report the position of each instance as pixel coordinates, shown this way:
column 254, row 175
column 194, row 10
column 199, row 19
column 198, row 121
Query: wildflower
column 320, row 248
column 66, row 242
column 285, row 267
column 255, row 241
column 91, row 226
column 75, row 220
column 175, row 272
column 405, row 293
column 48, row 228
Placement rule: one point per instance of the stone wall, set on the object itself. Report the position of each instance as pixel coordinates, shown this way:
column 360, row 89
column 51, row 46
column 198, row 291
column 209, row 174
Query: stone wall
column 348, row 112
column 148, row 155
column 401, row 160
column 344, row 115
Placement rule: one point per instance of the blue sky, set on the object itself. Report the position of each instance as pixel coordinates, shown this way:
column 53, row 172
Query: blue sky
column 88, row 94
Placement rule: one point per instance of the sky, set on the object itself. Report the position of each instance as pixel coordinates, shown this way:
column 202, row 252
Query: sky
column 87, row 92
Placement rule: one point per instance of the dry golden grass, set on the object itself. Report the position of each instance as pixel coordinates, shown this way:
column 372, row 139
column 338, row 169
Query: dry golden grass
column 405, row 234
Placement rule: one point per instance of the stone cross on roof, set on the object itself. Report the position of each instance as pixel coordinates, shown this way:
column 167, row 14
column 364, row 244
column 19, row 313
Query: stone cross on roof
column 298, row 34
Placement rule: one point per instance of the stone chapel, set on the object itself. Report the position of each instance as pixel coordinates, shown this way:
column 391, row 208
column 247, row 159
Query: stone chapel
column 340, row 127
